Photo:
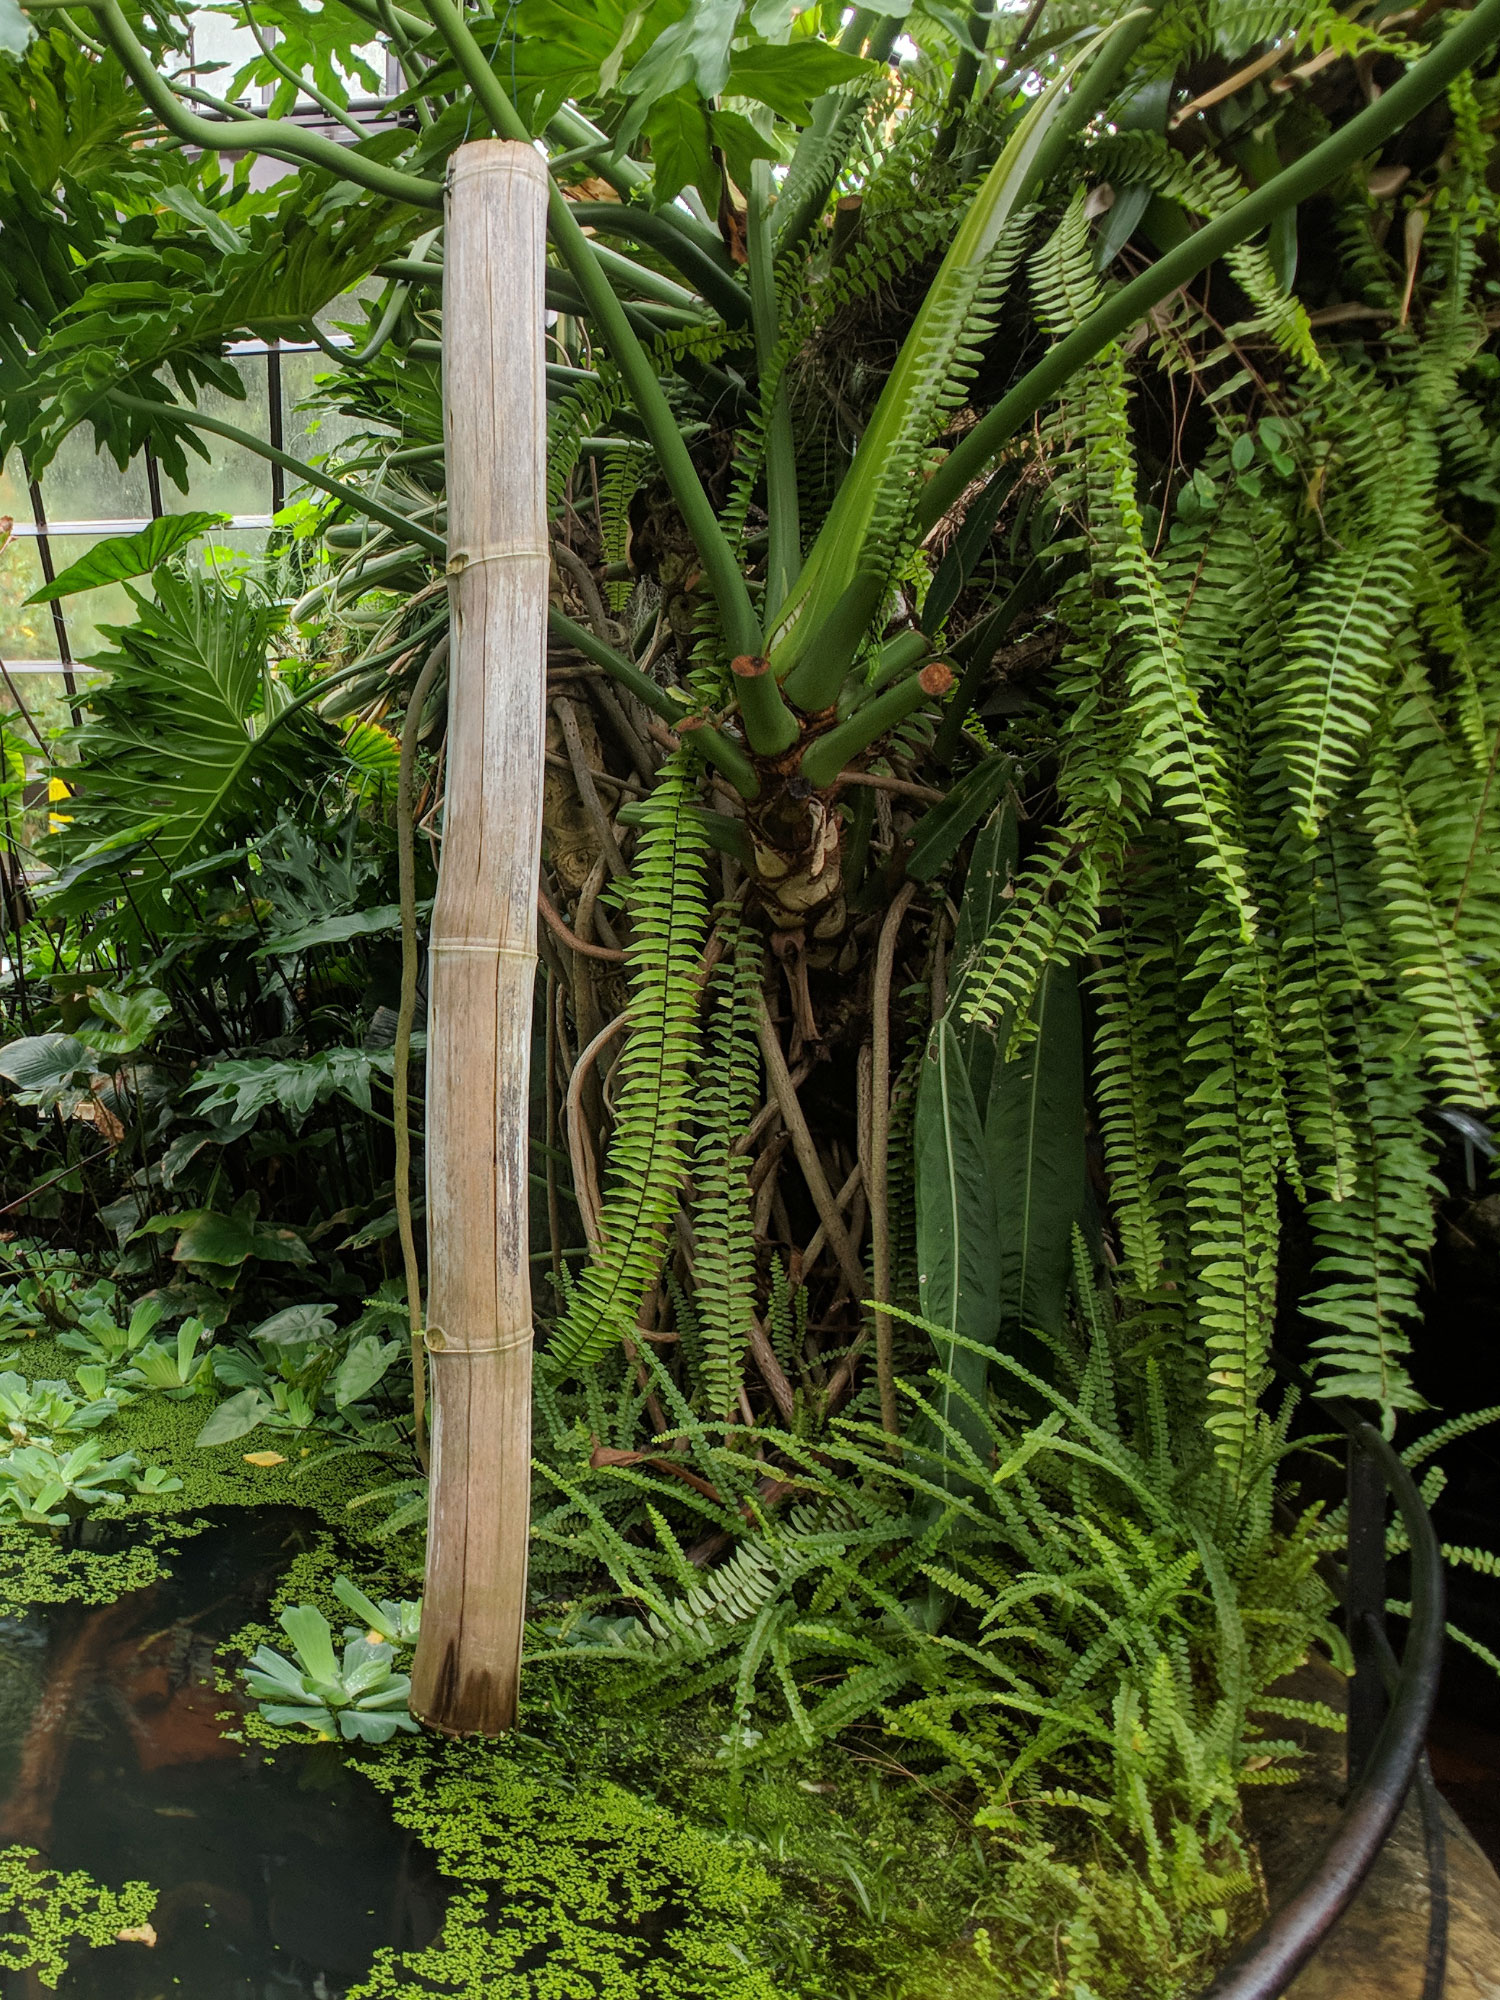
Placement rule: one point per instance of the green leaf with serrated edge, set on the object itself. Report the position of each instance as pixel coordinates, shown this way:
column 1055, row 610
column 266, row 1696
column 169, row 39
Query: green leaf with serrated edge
column 121, row 557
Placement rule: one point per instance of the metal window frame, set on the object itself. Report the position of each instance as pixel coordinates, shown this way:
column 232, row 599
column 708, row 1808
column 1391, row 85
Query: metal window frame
column 44, row 531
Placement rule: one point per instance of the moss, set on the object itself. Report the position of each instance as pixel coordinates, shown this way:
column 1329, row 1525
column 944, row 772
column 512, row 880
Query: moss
column 45, row 1916
column 592, row 1893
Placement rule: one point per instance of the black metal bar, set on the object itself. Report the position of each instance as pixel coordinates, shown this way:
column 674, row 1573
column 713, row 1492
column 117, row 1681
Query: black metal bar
column 274, row 424
column 59, row 622
column 1276, row 1954
column 1364, row 1605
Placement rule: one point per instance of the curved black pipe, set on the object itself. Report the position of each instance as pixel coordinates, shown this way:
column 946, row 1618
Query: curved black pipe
column 1279, row 1950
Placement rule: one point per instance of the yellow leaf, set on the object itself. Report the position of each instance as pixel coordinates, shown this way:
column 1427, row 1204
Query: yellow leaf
column 137, row 1934
column 264, row 1458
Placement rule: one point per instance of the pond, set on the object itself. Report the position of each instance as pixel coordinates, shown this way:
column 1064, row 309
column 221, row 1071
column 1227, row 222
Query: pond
column 279, row 1873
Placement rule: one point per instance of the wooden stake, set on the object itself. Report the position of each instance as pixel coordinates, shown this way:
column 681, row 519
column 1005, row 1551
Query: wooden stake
column 483, row 944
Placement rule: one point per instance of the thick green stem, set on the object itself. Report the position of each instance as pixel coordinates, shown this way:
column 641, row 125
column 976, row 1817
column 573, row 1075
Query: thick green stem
column 784, row 553
column 1093, row 88
column 389, row 319
column 769, row 723
column 741, row 627
column 362, row 503
column 815, row 681
column 650, row 284
column 576, row 132
column 966, row 68
column 279, row 137
column 826, row 757
column 1424, row 81
column 658, row 229
column 899, row 656
column 303, row 84
column 824, row 145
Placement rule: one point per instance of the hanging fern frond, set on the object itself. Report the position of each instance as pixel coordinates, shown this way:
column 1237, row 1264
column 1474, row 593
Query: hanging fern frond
column 648, row 1155
column 722, row 1210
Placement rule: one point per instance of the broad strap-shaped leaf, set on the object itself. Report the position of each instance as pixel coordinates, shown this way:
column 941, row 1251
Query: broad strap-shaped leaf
column 1034, row 1144
column 958, row 1251
column 122, row 557
column 882, row 476
column 312, row 1641
column 992, row 868
column 942, row 830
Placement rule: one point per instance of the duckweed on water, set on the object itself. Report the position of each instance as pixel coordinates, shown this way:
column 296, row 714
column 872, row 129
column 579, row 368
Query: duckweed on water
column 591, row 1893
column 44, row 1915
column 36, row 1569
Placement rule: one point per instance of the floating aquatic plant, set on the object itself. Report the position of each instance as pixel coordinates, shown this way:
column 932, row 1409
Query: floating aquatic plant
column 361, row 1698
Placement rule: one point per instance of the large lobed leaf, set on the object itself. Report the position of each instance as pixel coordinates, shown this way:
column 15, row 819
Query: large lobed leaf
column 188, row 740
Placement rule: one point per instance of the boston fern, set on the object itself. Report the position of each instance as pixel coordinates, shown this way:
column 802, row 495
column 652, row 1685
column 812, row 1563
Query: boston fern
column 1076, row 1614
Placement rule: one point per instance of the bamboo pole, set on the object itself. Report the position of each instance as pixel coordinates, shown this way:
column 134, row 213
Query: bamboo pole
column 483, row 944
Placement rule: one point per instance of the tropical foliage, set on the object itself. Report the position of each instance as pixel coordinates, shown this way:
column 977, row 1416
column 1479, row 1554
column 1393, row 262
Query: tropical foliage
column 1018, row 908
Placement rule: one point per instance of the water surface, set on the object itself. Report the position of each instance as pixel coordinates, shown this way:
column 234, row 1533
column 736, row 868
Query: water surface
column 279, row 1874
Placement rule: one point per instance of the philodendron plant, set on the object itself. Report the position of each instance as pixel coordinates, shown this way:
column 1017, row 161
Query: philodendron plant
column 360, row 1697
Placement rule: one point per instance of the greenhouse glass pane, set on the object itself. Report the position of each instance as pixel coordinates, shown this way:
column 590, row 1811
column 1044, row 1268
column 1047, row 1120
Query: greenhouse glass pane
column 234, row 480
column 26, row 631
column 43, row 710
column 310, row 434
column 82, row 484
column 218, row 40
column 15, row 494
column 230, row 552
column 45, row 699
column 348, row 308
column 87, row 610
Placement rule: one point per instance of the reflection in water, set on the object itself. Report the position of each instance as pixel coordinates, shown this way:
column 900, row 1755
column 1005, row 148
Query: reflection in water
column 279, row 1874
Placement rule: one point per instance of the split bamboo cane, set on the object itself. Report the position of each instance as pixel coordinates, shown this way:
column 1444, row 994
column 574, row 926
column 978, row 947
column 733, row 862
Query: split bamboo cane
column 483, row 943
